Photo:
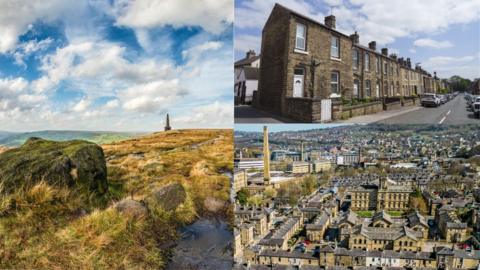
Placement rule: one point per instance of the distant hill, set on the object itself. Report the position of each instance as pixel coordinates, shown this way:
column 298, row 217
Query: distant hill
column 100, row 137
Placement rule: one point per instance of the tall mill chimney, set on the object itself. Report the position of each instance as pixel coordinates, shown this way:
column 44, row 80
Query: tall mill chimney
column 167, row 125
column 330, row 21
column 266, row 157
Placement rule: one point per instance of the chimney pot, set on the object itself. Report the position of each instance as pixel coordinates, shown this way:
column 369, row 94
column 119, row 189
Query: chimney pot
column 250, row 54
column 330, row 21
column 385, row 51
column 355, row 38
column 372, row 45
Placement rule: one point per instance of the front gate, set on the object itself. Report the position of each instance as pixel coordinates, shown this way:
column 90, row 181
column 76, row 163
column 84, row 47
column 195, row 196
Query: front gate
column 326, row 110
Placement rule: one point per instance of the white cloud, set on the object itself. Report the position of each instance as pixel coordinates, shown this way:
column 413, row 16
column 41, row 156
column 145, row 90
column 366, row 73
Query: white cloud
column 405, row 18
column 218, row 114
column 82, row 105
column 244, row 43
column 212, row 15
column 382, row 21
column 17, row 16
column 112, row 104
column 426, row 42
column 152, row 97
column 15, row 96
column 98, row 69
column 446, row 66
column 254, row 13
column 27, row 48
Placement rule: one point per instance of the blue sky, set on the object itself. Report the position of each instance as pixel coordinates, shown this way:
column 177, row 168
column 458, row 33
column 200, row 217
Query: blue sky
column 115, row 64
column 442, row 35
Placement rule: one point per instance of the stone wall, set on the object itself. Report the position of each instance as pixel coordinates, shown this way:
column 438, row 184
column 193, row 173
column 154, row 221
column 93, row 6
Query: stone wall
column 392, row 103
column 304, row 109
column 271, row 84
column 361, row 109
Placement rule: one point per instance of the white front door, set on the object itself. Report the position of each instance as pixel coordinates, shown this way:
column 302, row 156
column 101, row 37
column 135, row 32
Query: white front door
column 298, row 86
column 355, row 88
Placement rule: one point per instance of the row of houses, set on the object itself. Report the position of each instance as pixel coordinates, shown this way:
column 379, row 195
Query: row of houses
column 330, row 257
column 303, row 61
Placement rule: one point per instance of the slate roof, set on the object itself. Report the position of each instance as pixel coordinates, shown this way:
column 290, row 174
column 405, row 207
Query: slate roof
column 382, row 215
column 415, row 219
column 246, row 61
column 390, row 234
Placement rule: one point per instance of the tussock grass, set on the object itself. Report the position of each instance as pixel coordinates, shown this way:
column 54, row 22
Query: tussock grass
column 50, row 226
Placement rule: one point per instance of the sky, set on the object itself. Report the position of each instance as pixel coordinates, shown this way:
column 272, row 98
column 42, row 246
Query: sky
column 115, row 65
column 442, row 35
column 284, row 127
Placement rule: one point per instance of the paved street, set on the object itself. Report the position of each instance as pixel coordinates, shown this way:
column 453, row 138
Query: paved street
column 453, row 112
column 248, row 114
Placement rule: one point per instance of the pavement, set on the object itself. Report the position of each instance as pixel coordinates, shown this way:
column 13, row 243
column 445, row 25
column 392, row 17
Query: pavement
column 383, row 115
column 454, row 112
column 248, row 114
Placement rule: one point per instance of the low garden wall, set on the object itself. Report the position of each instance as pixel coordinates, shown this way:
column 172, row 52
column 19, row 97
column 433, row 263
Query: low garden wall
column 349, row 111
column 306, row 110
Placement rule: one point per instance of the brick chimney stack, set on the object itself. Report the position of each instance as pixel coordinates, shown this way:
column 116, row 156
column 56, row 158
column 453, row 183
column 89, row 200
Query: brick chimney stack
column 250, row 54
column 385, row 51
column 372, row 45
column 409, row 64
column 330, row 21
column 355, row 38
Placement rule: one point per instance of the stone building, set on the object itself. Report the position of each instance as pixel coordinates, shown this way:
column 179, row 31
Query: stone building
column 305, row 61
column 393, row 197
column 239, row 180
column 316, row 230
column 299, row 167
column 384, row 238
column 386, row 196
column 450, row 226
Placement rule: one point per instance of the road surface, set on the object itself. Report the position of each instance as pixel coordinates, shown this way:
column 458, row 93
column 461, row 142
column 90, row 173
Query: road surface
column 454, row 112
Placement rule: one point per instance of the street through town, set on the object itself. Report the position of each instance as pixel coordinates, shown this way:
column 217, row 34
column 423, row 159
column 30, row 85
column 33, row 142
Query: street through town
column 454, row 112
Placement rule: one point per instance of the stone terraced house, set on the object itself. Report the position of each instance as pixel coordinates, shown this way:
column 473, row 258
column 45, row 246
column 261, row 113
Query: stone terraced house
column 305, row 61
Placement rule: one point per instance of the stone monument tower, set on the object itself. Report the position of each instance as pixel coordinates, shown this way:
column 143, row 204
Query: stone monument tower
column 167, row 125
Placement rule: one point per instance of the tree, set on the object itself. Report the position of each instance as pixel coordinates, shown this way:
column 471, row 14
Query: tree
column 459, row 84
column 242, row 196
column 309, row 184
column 270, row 192
column 255, row 200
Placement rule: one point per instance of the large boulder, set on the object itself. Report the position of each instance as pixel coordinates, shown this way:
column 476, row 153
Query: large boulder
column 168, row 197
column 73, row 163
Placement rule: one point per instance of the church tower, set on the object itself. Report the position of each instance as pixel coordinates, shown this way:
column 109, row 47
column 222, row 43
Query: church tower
column 266, row 157
column 167, row 125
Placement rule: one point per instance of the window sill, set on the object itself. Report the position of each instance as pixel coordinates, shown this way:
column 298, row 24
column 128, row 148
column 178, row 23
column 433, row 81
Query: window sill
column 335, row 95
column 336, row 59
column 300, row 51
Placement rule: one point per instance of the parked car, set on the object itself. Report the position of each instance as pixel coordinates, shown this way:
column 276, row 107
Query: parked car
column 476, row 106
column 443, row 99
column 430, row 100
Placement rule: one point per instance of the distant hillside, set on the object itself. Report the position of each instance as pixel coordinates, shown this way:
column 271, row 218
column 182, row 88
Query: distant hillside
column 99, row 137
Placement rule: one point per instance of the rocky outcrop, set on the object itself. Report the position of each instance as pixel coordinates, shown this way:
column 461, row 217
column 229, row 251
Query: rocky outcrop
column 168, row 197
column 131, row 207
column 73, row 163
